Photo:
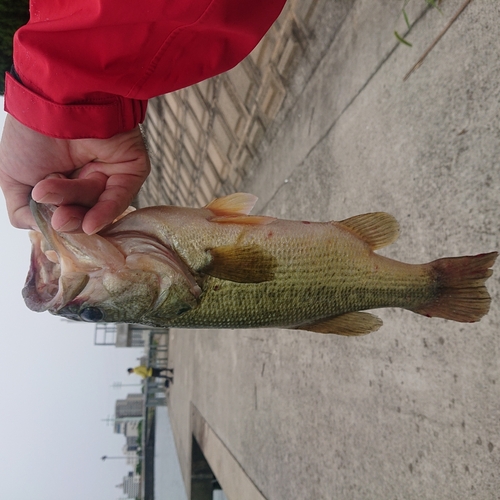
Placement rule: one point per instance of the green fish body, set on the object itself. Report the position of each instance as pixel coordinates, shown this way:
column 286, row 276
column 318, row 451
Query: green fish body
column 218, row 267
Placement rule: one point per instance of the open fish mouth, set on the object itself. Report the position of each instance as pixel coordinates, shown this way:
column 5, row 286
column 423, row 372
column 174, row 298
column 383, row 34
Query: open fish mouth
column 45, row 287
column 65, row 267
column 56, row 275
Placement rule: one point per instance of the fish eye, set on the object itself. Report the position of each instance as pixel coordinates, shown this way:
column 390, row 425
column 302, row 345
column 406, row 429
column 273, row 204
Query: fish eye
column 91, row 314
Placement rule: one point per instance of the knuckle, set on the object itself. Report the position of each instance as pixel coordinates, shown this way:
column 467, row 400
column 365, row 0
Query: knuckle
column 19, row 220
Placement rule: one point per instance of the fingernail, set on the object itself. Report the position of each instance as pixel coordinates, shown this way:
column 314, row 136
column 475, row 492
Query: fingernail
column 97, row 229
column 55, row 176
column 72, row 225
column 52, row 198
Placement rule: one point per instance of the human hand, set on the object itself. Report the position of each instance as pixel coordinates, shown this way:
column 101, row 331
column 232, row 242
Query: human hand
column 92, row 181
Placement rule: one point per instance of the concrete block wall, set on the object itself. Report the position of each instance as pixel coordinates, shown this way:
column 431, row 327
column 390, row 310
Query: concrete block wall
column 203, row 139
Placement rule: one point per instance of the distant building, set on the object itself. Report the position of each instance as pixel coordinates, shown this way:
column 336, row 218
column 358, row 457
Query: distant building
column 130, row 407
column 129, row 428
column 131, row 485
column 131, row 444
column 131, row 450
column 128, row 414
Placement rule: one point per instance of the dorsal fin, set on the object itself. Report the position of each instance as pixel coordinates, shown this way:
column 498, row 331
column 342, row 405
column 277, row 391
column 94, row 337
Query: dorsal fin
column 257, row 220
column 233, row 204
column 349, row 324
column 378, row 229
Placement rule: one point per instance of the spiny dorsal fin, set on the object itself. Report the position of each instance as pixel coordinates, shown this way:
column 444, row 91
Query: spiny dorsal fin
column 350, row 324
column 378, row 229
column 233, row 204
column 243, row 264
column 256, row 220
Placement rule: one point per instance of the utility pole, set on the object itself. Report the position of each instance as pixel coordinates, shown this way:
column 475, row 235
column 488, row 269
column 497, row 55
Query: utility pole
column 109, row 420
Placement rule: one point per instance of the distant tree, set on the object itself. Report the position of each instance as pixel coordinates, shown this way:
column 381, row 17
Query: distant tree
column 138, row 468
column 13, row 15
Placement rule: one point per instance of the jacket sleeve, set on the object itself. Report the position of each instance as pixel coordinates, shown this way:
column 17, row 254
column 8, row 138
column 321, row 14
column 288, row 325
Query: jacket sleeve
column 86, row 68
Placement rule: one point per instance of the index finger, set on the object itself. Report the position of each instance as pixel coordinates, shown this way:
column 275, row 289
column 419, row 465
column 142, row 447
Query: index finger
column 116, row 198
column 70, row 191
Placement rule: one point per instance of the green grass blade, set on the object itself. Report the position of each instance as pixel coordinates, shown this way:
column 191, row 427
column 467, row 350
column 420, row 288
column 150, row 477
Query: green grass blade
column 402, row 40
column 407, row 21
column 433, row 3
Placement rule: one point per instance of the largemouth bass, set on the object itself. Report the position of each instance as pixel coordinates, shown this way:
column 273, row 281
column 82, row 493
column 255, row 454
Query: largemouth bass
column 219, row 267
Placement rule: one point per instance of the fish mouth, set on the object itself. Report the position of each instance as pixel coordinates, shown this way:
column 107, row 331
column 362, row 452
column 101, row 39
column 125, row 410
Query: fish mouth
column 62, row 264
column 45, row 287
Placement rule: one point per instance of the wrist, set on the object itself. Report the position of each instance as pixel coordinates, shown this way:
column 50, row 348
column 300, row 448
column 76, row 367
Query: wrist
column 98, row 118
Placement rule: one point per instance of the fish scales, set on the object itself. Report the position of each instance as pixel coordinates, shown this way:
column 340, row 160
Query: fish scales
column 219, row 267
column 335, row 274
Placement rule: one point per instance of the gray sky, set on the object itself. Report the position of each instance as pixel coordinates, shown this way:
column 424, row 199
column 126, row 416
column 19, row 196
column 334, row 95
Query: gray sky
column 55, row 391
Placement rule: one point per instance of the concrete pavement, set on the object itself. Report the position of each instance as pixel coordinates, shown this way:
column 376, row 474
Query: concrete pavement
column 412, row 411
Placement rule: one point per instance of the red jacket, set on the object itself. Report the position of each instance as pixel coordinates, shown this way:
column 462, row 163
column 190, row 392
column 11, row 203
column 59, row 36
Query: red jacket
column 87, row 67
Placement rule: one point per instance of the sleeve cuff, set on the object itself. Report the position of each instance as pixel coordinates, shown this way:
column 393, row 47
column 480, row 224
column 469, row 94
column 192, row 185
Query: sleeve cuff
column 95, row 119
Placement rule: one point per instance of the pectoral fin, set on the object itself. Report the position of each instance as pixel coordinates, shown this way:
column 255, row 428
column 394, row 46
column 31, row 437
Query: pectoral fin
column 242, row 264
column 378, row 229
column 350, row 324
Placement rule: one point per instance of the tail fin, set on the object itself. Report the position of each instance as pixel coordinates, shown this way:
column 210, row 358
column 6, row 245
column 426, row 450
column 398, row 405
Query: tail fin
column 461, row 294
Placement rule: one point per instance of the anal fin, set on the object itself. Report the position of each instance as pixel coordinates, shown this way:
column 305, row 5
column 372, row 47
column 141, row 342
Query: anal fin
column 349, row 324
column 242, row 264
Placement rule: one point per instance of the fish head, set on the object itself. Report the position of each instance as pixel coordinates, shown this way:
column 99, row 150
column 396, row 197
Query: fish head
column 95, row 278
